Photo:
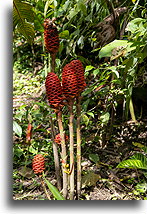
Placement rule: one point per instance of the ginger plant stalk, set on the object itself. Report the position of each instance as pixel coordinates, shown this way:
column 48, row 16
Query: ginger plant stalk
column 56, row 156
column 71, row 148
column 53, row 62
column 63, row 153
column 78, row 106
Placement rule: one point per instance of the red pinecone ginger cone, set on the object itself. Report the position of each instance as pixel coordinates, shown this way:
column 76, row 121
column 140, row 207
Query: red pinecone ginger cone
column 79, row 70
column 29, row 133
column 38, row 164
column 58, row 138
column 51, row 36
column 69, row 82
column 54, row 91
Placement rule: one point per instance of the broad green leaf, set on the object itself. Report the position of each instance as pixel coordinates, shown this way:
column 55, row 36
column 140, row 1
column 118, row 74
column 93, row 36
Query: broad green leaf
column 22, row 10
column 64, row 34
column 89, row 68
column 91, row 114
column 23, row 16
column 141, row 157
column 33, row 150
column 72, row 13
column 94, row 157
column 85, row 119
column 82, row 7
column 141, row 187
column 105, row 117
column 136, row 25
column 17, row 128
column 27, row 30
column 90, row 179
column 54, row 190
column 106, row 51
column 132, row 164
column 95, row 72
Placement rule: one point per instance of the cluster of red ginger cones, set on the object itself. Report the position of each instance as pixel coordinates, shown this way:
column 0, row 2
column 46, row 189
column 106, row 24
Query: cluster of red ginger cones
column 59, row 94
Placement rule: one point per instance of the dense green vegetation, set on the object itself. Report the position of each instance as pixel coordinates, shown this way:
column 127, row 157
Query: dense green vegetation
column 114, row 102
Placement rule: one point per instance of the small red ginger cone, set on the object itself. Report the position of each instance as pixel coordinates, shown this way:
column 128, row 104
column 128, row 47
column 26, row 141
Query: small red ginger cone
column 51, row 36
column 79, row 70
column 58, row 138
column 29, row 133
column 54, row 91
column 38, row 164
column 69, row 82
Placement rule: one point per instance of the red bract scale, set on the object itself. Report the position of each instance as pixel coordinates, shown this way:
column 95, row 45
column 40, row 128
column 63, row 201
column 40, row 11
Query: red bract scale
column 51, row 36
column 38, row 164
column 58, row 139
column 79, row 70
column 54, row 91
column 69, row 82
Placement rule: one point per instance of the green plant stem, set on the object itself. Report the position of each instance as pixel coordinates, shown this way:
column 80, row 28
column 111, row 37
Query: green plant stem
column 56, row 156
column 27, row 154
column 78, row 105
column 63, row 153
column 71, row 148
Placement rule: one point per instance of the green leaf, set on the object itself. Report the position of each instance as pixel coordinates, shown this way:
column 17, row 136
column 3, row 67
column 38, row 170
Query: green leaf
column 136, row 25
column 94, row 157
column 85, row 119
column 80, row 42
column 132, row 164
column 54, row 190
column 106, row 51
column 82, row 7
column 141, row 187
column 114, row 70
column 141, row 146
column 91, row 114
column 95, row 72
column 64, row 34
column 105, row 117
column 141, row 157
column 89, row 68
column 17, row 128
column 23, row 16
column 72, row 13
column 47, row 4
column 27, row 30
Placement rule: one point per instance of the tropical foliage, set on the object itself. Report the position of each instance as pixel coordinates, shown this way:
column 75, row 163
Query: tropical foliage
column 110, row 39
